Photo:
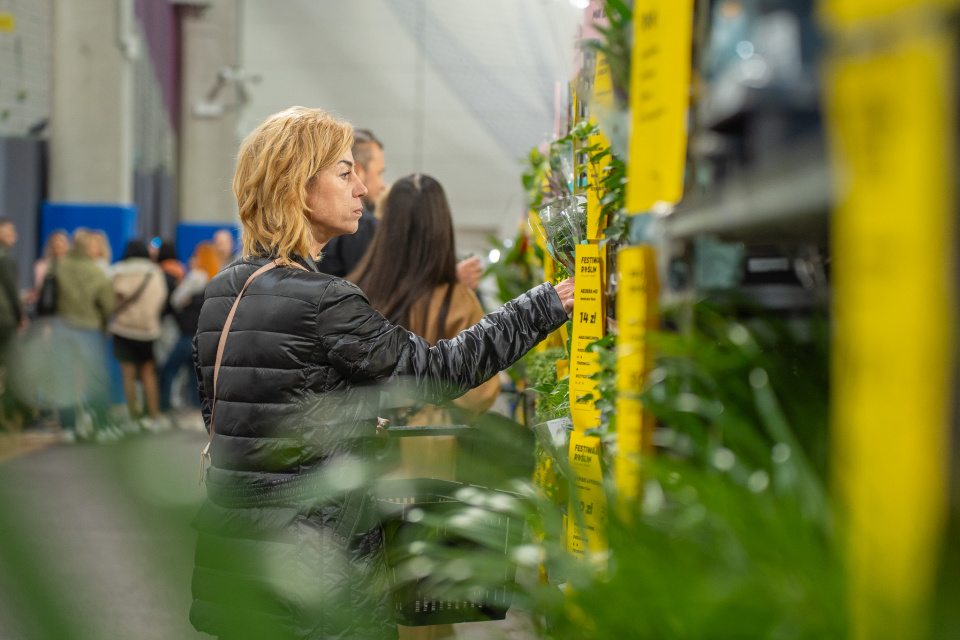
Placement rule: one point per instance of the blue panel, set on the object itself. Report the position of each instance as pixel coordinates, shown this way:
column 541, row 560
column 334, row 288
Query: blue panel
column 119, row 221
column 189, row 234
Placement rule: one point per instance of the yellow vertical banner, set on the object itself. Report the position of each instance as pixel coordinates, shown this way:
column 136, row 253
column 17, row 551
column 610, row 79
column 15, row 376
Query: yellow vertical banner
column 588, row 323
column 602, row 97
column 587, row 519
column 659, row 98
column 595, row 171
column 636, row 314
column 587, row 506
column 846, row 13
column 892, row 132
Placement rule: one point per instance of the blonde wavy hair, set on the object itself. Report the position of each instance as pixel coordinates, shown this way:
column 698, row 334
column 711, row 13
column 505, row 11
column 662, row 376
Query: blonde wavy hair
column 275, row 163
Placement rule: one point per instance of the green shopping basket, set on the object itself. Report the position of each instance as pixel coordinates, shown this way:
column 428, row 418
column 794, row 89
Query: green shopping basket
column 423, row 601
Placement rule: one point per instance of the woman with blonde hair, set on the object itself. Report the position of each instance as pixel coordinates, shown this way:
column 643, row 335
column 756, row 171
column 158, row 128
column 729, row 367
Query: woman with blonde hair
column 100, row 249
column 56, row 246
column 290, row 545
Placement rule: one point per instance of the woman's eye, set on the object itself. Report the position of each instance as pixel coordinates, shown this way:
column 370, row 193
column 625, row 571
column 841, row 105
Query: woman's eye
column 345, row 175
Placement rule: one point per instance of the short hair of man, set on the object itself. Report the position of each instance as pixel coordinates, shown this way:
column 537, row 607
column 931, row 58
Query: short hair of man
column 363, row 141
column 275, row 163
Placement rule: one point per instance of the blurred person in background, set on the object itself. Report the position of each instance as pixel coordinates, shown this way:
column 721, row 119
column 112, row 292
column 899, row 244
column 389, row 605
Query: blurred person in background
column 170, row 265
column 56, row 246
column 410, row 276
column 140, row 290
column 343, row 253
column 186, row 300
column 12, row 319
column 224, row 243
column 100, row 250
column 78, row 368
column 290, row 544
column 173, row 272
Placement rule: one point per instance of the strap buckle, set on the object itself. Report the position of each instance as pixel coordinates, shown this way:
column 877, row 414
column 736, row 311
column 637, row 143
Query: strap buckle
column 204, row 457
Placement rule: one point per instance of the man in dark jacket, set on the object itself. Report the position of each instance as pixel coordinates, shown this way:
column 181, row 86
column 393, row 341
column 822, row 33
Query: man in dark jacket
column 11, row 311
column 343, row 253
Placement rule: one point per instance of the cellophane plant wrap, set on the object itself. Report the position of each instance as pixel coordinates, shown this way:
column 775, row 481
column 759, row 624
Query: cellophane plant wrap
column 563, row 225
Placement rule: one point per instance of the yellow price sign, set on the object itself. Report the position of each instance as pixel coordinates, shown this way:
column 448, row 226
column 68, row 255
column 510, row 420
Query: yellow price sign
column 8, row 22
column 847, row 13
column 659, row 98
column 636, row 313
column 588, row 326
column 892, row 135
column 587, row 508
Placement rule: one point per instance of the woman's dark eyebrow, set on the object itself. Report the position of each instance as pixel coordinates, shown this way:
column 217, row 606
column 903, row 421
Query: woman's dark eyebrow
column 346, row 162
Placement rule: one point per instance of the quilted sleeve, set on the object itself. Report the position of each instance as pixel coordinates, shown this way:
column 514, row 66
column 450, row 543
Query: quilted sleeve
column 364, row 347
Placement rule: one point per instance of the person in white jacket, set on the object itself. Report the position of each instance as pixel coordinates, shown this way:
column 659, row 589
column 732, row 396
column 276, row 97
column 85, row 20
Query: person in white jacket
column 141, row 292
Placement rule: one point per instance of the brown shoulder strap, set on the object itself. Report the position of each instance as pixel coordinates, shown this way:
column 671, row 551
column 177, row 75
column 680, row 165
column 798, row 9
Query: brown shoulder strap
column 223, row 341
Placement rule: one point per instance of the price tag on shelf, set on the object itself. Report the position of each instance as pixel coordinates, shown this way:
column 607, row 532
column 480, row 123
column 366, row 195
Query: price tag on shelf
column 595, row 171
column 636, row 312
column 892, row 129
column 602, row 99
column 587, row 509
column 847, row 13
column 588, row 326
column 659, row 98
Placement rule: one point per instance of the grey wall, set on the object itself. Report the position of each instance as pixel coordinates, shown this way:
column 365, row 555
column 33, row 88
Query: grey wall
column 457, row 89
column 22, row 183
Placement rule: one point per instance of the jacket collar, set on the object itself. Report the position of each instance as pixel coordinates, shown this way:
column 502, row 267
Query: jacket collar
column 306, row 262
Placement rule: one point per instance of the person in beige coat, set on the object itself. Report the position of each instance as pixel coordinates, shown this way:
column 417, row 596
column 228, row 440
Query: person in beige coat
column 140, row 290
column 411, row 277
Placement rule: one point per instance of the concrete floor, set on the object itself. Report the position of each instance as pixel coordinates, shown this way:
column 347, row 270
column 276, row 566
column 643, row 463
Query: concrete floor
column 96, row 541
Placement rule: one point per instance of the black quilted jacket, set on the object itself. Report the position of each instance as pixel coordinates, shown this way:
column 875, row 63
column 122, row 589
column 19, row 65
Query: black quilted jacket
column 290, row 545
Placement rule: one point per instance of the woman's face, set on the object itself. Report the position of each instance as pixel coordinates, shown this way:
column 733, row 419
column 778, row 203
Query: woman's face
column 96, row 248
column 333, row 199
column 59, row 245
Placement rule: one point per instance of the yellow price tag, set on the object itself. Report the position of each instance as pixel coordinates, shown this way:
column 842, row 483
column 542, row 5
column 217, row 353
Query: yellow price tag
column 587, row 509
column 636, row 312
column 892, row 135
column 8, row 22
column 659, row 97
column 847, row 13
column 595, row 171
column 603, row 82
column 588, row 325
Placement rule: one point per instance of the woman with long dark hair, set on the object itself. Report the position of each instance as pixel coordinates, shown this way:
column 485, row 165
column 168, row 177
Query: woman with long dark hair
column 409, row 274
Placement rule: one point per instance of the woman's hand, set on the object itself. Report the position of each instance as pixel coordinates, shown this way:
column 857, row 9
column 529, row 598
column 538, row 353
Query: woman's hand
column 565, row 290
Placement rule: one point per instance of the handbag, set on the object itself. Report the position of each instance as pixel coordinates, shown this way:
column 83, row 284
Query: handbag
column 47, row 298
column 126, row 302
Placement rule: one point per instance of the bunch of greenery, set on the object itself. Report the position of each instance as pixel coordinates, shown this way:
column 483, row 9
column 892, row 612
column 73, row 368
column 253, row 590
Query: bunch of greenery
column 563, row 223
column 553, row 394
column 520, row 267
column 733, row 536
column 617, row 45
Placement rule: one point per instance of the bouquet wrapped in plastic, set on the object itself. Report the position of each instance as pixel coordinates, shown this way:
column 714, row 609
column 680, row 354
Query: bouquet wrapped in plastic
column 563, row 225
